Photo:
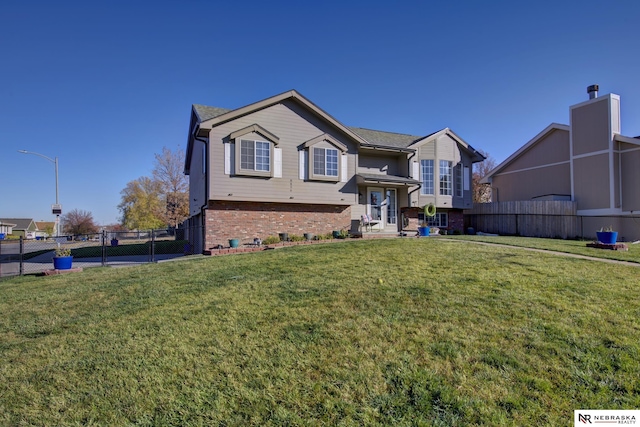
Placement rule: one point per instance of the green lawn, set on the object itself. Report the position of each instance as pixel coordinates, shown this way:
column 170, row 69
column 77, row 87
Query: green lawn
column 578, row 247
column 381, row 332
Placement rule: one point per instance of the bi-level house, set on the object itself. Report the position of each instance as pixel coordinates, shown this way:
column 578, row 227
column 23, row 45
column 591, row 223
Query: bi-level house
column 284, row 165
column 589, row 162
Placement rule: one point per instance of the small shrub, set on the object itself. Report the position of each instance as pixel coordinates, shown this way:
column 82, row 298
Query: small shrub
column 60, row 251
column 296, row 238
column 271, row 240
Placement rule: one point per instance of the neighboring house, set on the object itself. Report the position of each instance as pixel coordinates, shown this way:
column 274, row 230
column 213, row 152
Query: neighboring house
column 45, row 228
column 6, row 228
column 283, row 165
column 24, row 227
column 589, row 162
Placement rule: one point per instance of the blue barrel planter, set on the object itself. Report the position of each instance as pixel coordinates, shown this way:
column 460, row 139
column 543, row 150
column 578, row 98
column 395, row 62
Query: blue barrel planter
column 62, row 262
column 423, row 231
column 234, row 243
column 607, row 237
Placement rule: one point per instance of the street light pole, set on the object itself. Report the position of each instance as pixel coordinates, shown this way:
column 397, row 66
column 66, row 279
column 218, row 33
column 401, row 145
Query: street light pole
column 55, row 162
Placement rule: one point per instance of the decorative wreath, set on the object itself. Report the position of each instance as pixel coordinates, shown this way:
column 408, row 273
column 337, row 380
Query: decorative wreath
column 430, row 210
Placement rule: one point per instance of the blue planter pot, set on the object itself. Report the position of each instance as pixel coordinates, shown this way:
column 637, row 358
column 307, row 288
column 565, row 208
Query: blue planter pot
column 607, row 237
column 423, row 231
column 62, row 262
column 234, row 243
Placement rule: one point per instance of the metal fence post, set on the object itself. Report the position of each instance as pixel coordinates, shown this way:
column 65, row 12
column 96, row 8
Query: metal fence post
column 21, row 256
column 153, row 246
column 103, row 252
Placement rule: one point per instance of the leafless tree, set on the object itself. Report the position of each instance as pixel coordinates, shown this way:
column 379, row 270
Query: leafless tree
column 79, row 222
column 174, row 185
column 482, row 192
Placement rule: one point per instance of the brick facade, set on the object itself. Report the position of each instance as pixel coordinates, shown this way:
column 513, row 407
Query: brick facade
column 247, row 220
column 455, row 219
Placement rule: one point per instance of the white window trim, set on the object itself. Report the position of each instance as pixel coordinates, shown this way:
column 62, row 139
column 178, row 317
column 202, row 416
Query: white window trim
column 448, row 189
column 306, row 160
column 326, row 163
column 245, row 171
column 423, row 189
column 440, row 219
column 255, row 133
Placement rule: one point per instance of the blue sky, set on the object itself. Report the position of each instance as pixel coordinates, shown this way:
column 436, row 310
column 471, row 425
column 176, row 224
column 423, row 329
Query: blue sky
column 103, row 86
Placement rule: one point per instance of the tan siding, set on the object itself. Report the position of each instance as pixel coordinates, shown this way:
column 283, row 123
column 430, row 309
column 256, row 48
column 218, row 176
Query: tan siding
column 427, row 151
column 371, row 163
column 631, row 181
column 294, row 126
column 527, row 184
column 553, row 148
column 590, row 127
column 591, row 182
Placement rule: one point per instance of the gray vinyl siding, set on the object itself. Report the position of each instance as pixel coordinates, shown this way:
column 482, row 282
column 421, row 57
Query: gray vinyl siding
column 387, row 165
column 591, row 182
column 630, row 180
column 527, row 184
column 590, row 127
column 294, row 126
column 552, row 148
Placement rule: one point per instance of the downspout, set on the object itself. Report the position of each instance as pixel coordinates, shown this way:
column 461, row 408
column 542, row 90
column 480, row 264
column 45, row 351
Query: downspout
column 206, row 189
column 419, row 185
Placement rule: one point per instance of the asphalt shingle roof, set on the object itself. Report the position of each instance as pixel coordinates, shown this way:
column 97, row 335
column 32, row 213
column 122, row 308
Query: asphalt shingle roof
column 373, row 137
column 387, row 139
column 207, row 113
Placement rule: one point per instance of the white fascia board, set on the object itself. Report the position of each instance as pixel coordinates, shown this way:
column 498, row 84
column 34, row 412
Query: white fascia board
column 629, row 140
column 599, row 212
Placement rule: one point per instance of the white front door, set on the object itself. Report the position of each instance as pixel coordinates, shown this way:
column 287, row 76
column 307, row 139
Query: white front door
column 382, row 205
column 376, row 207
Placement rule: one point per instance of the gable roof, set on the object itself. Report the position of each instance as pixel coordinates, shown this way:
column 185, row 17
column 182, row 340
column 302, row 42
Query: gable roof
column 20, row 223
column 546, row 131
column 208, row 117
column 205, row 112
column 385, row 139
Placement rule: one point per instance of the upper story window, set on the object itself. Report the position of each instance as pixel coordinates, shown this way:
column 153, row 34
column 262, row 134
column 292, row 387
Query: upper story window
column 459, row 179
column 323, row 158
column 255, row 155
column 325, row 161
column 426, row 176
column 446, row 178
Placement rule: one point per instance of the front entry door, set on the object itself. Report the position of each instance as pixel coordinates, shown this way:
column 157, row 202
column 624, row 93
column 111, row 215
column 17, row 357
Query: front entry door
column 376, row 207
column 382, row 205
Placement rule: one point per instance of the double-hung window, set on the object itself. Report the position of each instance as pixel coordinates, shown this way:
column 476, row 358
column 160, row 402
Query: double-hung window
column 255, row 155
column 426, row 176
column 446, row 178
column 325, row 162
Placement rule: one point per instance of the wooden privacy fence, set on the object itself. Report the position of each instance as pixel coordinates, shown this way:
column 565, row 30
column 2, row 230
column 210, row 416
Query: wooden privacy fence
column 525, row 218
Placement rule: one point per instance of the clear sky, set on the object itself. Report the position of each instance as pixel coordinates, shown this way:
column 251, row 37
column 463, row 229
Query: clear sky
column 103, row 86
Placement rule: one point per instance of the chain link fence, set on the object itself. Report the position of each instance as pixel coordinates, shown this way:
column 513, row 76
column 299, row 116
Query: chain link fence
column 108, row 248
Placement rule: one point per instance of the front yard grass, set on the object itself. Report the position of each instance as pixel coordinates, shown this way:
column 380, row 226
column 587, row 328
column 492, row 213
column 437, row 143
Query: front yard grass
column 578, row 247
column 389, row 332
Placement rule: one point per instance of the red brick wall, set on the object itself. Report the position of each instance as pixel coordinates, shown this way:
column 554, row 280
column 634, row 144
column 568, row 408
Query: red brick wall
column 455, row 218
column 248, row 220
